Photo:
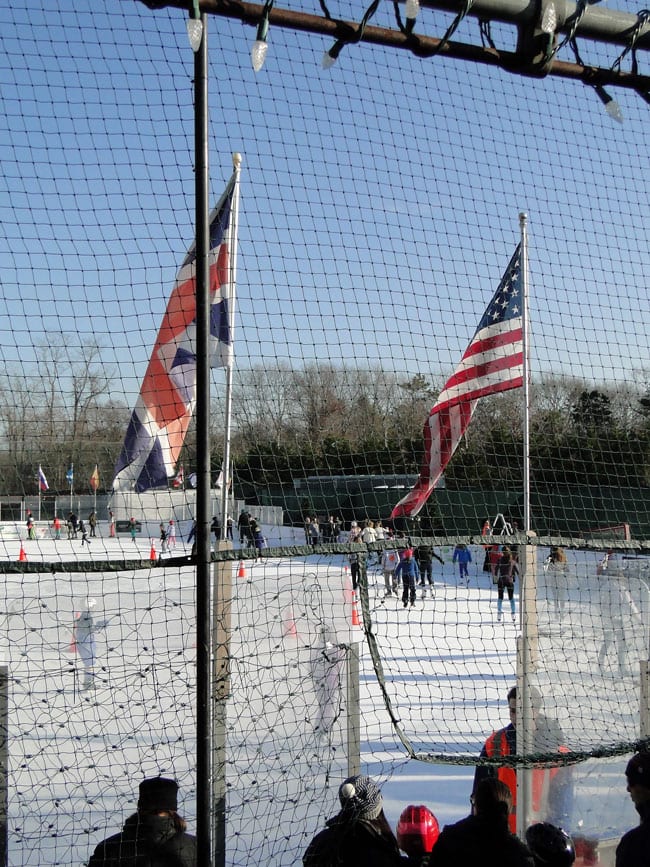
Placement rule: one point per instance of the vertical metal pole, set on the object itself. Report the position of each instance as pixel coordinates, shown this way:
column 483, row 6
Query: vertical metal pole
column 354, row 727
column 222, row 602
column 523, row 220
column 203, row 506
column 4, row 761
column 353, row 700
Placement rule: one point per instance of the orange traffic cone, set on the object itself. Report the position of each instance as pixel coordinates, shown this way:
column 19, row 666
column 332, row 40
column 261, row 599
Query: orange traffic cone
column 152, row 554
column 22, row 557
column 241, row 572
column 355, row 614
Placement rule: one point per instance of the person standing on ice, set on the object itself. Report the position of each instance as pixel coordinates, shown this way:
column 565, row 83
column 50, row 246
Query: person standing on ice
column 83, row 634
column 424, row 555
column 551, row 787
column 505, row 573
column 389, row 562
column 462, row 556
column 327, row 668
column 409, row 571
column 171, row 534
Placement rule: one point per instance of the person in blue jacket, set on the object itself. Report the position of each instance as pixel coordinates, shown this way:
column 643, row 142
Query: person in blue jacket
column 462, row 556
column 409, row 571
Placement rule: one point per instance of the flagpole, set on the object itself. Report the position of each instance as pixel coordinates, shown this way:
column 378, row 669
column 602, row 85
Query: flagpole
column 231, row 240
column 526, row 645
column 523, row 224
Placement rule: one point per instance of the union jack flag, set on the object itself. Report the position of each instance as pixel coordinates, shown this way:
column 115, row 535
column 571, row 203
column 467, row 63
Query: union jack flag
column 493, row 362
column 164, row 408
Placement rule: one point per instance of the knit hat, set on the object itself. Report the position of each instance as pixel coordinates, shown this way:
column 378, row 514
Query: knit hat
column 638, row 770
column 158, row 794
column 361, row 796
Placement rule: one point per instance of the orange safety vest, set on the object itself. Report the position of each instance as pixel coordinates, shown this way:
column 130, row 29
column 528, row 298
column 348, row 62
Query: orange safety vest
column 497, row 745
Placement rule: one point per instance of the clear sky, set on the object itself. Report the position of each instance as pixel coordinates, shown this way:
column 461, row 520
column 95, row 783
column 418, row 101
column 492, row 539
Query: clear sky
column 379, row 202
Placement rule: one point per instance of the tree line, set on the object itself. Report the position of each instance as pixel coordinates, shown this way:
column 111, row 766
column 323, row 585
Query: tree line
column 323, row 419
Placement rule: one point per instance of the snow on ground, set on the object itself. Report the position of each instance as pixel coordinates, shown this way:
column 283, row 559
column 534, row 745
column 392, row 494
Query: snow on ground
column 77, row 756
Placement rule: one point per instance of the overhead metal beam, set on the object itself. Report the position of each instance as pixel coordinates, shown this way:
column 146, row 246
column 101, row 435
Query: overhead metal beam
column 596, row 23
column 518, row 12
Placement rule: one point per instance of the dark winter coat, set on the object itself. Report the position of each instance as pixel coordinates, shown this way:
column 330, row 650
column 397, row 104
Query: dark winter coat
column 480, row 840
column 346, row 843
column 425, row 554
column 146, row 841
column 634, row 848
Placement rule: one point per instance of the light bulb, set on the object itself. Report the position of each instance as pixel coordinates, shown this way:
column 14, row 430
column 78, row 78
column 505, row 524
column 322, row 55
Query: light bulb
column 613, row 109
column 330, row 57
column 258, row 53
column 195, row 33
column 411, row 9
column 548, row 23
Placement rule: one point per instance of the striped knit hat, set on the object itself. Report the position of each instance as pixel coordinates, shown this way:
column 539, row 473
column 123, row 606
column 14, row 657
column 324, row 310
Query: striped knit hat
column 361, row 797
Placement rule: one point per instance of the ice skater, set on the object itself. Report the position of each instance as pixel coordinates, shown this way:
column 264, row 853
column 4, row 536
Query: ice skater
column 505, row 572
column 555, row 569
column 462, row 556
column 409, row 571
column 328, row 675
column 84, row 643
column 84, row 534
column 389, row 562
column 163, row 538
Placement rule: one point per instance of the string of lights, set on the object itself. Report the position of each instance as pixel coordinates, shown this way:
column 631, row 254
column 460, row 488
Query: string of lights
column 536, row 52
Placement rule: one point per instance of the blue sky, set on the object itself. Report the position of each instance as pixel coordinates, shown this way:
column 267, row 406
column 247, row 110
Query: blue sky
column 379, row 202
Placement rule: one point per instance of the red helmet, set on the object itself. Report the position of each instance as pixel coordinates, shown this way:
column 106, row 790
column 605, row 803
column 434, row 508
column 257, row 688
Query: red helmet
column 417, row 830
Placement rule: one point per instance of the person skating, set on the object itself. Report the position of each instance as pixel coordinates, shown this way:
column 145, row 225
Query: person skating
column 462, row 556
column 409, row 572
column 424, row 555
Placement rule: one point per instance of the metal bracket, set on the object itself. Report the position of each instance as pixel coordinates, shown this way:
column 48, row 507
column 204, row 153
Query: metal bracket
column 537, row 40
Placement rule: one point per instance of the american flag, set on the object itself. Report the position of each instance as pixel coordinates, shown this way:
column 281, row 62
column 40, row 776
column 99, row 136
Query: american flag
column 164, row 408
column 493, row 362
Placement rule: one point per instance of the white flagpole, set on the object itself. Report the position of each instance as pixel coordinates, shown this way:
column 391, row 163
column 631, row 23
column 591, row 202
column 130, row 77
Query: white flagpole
column 527, row 642
column 523, row 221
column 232, row 235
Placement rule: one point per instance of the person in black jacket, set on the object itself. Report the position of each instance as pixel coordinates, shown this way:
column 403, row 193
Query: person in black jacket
column 359, row 836
column 634, row 848
column 483, row 837
column 424, row 555
column 154, row 836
